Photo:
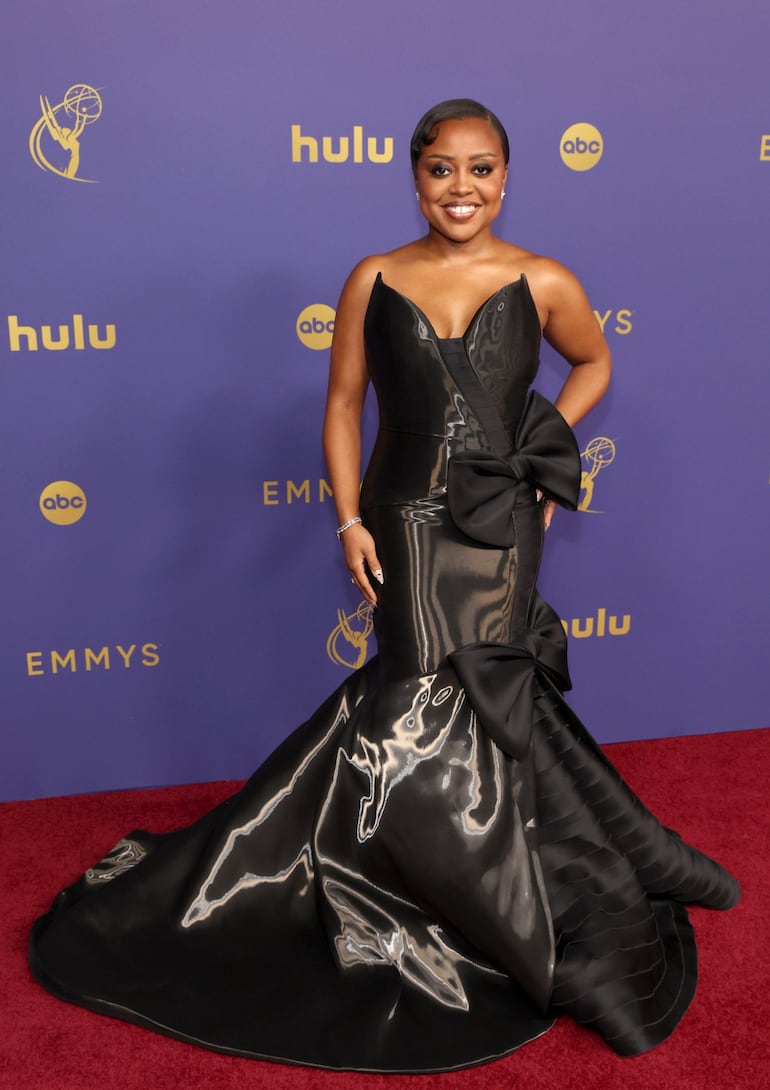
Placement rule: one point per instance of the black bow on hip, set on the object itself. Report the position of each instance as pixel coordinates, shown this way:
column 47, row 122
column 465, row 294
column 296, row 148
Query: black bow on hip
column 483, row 488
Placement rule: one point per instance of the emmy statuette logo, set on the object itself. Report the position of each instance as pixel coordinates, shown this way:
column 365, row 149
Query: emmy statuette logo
column 62, row 503
column 315, row 326
column 353, row 629
column 581, row 146
column 599, row 453
column 54, row 142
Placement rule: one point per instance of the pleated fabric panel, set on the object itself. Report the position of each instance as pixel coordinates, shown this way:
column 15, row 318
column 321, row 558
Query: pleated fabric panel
column 617, row 882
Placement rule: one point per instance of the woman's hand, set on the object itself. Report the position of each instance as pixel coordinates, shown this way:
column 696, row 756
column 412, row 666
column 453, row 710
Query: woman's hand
column 360, row 554
column 549, row 508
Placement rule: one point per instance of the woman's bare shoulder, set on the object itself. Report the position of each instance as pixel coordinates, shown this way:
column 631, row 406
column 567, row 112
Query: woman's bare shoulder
column 365, row 272
column 358, row 286
column 547, row 275
column 361, row 279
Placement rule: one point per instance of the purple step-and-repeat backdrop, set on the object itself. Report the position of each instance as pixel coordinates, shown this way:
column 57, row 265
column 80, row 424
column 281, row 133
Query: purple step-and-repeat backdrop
column 185, row 187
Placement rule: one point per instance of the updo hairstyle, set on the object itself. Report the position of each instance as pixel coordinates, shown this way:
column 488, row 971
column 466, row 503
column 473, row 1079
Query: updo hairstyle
column 453, row 109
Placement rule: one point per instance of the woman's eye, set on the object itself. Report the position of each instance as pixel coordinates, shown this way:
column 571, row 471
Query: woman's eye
column 483, row 169
column 439, row 171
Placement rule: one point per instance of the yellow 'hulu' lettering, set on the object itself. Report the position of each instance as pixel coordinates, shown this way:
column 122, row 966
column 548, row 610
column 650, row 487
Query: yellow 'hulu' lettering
column 603, row 624
column 338, row 149
column 340, row 156
column 16, row 332
column 383, row 156
column 28, row 334
column 108, row 341
column 298, row 142
column 764, row 148
column 581, row 633
column 50, row 343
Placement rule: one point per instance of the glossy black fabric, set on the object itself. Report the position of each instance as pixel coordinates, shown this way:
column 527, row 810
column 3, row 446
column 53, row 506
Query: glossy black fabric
column 440, row 861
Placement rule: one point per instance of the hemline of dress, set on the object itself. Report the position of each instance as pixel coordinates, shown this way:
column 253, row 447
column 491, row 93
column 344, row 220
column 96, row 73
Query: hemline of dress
column 126, row 1014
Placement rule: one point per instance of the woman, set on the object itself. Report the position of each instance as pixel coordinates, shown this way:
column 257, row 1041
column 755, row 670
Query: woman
column 440, row 861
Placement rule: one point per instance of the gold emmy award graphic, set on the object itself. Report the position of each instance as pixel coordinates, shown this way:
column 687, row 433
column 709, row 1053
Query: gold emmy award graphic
column 599, row 453
column 355, row 628
column 64, row 124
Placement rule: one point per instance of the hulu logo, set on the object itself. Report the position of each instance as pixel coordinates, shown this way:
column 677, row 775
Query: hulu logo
column 340, row 149
column 74, row 336
column 581, row 628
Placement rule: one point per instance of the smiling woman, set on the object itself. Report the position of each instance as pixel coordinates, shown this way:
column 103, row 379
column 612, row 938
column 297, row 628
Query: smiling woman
column 473, row 173
column 461, row 176
column 440, row 861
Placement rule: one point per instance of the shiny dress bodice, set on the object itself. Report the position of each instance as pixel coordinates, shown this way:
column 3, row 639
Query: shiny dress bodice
column 424, row 417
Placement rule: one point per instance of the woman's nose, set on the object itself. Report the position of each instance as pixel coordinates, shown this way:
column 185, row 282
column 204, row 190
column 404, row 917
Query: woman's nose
column 461, row 182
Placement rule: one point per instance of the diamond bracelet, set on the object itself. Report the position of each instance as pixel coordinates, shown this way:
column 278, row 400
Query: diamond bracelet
column 346, row 525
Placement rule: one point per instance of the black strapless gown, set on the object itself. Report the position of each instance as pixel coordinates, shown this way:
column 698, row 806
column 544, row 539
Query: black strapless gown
column 440, row 861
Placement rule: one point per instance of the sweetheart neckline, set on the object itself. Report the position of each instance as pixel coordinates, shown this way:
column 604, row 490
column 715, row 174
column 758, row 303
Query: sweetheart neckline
column 520, row 280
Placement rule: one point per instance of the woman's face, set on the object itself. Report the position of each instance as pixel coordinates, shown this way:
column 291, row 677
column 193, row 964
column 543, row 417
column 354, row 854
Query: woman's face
column 460, row 178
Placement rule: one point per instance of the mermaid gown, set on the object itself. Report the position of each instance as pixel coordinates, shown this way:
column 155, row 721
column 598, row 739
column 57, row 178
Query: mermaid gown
column 440, row 861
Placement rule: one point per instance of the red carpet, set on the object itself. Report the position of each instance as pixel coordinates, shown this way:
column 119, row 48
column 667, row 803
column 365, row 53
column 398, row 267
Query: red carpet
column 712, row 789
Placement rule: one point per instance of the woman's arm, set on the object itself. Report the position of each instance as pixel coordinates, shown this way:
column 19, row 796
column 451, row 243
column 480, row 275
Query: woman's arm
column 571, row 327
column 348, row 381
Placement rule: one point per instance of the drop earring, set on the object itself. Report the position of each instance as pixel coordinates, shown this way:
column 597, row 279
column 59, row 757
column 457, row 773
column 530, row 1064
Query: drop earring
column 502, row 194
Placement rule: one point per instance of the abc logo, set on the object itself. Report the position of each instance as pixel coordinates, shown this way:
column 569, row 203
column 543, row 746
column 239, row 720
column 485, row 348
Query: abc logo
column 581, row 146
column 63, row 503
column 315, row 326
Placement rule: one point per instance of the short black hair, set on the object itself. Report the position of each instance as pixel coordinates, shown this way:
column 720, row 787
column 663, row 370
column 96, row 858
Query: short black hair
column 453, row 109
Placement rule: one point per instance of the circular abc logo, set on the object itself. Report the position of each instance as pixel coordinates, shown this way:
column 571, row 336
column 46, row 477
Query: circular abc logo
column 63, row 502
column 581, row 146
column 315, row 326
